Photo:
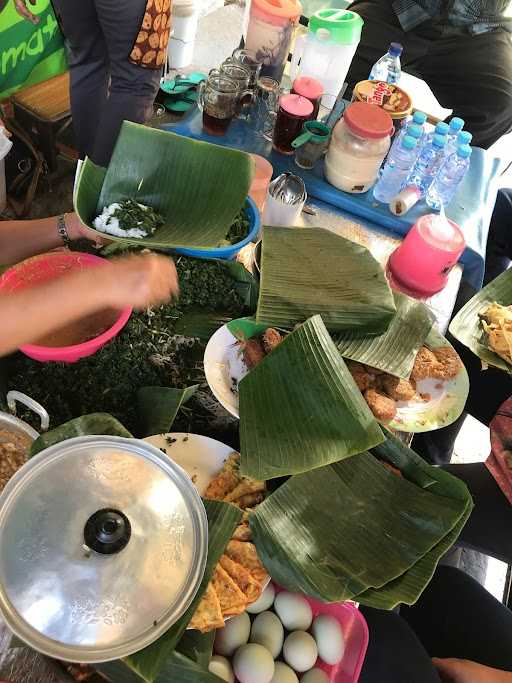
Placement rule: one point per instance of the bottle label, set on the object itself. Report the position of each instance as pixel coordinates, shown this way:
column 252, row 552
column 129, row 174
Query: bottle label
column 379, row 94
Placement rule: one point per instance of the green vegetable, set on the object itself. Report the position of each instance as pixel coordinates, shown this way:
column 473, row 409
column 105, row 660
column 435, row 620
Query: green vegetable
column 239, row 229
column 131, row 214
column 146, row 353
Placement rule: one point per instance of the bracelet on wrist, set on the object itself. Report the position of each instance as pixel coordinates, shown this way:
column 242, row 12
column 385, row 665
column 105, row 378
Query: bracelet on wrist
column 62, row 229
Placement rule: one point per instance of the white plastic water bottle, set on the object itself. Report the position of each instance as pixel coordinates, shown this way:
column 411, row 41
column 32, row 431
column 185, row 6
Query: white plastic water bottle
column 427, row 164
column 454, row 128
column 388, row 68
column 448, row 178
column 463, row 138
column 441, row 128
column 396, row 170
column 414, row 131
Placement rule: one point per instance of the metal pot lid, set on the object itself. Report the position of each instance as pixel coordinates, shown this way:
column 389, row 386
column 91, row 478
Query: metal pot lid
column 103, row 544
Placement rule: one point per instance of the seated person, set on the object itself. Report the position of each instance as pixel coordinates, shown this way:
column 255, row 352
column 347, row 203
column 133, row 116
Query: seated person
column 134, row 281
column 461, row 49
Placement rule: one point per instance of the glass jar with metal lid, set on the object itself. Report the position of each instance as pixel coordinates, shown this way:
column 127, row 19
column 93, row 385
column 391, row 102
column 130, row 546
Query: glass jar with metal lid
column 103, row 544
column 359, row 143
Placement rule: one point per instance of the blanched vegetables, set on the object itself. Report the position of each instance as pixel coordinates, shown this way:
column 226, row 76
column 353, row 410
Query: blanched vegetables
column 128, row 218
column 496, row 321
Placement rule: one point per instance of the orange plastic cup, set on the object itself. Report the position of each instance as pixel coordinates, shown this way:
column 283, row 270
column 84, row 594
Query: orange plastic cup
column 260, row 183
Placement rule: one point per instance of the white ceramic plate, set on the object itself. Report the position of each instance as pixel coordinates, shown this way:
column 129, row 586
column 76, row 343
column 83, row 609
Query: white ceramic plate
column 201, row 457
column 224, row 368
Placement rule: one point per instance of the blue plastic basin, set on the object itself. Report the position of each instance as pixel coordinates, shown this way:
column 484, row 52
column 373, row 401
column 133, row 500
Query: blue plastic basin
column 229, row 252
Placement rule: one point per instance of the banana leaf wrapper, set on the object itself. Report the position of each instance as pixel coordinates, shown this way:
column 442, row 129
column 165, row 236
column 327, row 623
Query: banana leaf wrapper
column 353, row 530
column 197, row 187
column 300, row 408
column 466, row 326
column 395, row 350
column 313, row 271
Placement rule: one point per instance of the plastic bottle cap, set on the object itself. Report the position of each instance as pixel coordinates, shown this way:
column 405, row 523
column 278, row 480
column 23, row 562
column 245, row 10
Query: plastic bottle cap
column 308, row 87
column 344, row 26
column 439, row 141
column 368, row 120
column 419, row 117
column 456, row 124
column 296, row 105
column 408, row 142
column 442, row 128
column 464, row 151
column 464, row 137
column 395, row 49
column 414, row 131
column 283, row 9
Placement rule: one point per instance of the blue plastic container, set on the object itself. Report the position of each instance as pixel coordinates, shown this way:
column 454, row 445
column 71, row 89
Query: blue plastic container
column 229, row 252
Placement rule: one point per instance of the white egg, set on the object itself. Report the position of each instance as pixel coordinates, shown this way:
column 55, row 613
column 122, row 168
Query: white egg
column 234, row 634
column 267, row 630
column 293, row 610
column 329, row 638
column 300, row 651
column 283, row 674
column 253, row 664
column 264, row 602
column 315, row 676
column 221, row 667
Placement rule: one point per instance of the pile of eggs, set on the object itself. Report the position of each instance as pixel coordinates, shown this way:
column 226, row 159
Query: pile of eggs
column 282, row 642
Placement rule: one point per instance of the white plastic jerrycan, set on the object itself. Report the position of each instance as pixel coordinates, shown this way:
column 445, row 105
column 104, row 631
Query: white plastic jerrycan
column 326, row 51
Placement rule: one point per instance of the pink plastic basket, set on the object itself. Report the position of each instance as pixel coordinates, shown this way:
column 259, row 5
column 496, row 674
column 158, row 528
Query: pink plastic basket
column 44, row 268
column 355, row 632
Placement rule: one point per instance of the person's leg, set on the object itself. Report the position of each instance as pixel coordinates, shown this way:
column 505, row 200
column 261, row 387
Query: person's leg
column 132, row 88
column 488, row 529
column 381, row 27
column 472, row 74
column 456, row 617
column 88, row 67
column 499, row 240
column 394, row 653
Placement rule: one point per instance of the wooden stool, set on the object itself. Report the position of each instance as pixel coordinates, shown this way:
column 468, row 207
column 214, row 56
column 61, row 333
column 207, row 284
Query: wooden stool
column 43, row 110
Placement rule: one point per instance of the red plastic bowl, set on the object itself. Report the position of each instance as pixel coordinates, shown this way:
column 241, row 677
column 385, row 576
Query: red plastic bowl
column 44, row 268
column 355, row 633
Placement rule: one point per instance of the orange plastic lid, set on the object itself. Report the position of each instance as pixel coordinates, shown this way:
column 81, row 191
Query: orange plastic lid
column 286, row 9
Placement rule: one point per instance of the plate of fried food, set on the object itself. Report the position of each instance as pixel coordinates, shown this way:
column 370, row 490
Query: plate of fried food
column 433, row 397
column 240, row 577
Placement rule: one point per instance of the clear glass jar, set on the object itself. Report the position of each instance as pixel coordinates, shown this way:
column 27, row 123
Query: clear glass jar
column 359, row 144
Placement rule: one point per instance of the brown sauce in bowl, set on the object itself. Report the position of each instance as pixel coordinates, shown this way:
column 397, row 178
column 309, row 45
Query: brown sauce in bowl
column 80, row 331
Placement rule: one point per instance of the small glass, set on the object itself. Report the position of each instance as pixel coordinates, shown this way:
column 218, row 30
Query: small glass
column 265, row 106
column 242, row 76
column 247, row 59
column 218, row 99
column 292, row 114
column 311, row 145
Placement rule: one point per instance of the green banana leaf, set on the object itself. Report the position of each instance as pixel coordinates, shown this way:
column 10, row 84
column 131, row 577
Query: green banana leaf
column 312, row 270
column 395, row 350
column 201, row 324
column 466, row 326
column 301, row 409
column 177, row 667
column 246, row 284
column 158, row 407
column 245, row 328
column 408, row 587
column 94, row 423
column 150, row 662
column 197, row 646
column 337, row 531
column 197, row 187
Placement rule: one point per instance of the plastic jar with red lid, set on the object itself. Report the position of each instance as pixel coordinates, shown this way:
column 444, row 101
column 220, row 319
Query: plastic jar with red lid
column 311, row 89
column 293, row 112
column 359, row 144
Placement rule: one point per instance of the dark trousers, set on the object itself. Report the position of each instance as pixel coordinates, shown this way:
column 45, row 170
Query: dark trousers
column 105, row 87
column 471, row 74
column 454, row 617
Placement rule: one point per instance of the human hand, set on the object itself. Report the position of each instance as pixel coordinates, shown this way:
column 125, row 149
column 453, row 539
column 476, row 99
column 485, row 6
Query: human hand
column 78, row 230
column 140, row 281
column 23, row 10
column 464, row 671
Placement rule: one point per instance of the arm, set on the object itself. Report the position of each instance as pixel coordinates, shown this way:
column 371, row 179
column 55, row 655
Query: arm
column 21, row 239
column 137, row 281
column 464, row 671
